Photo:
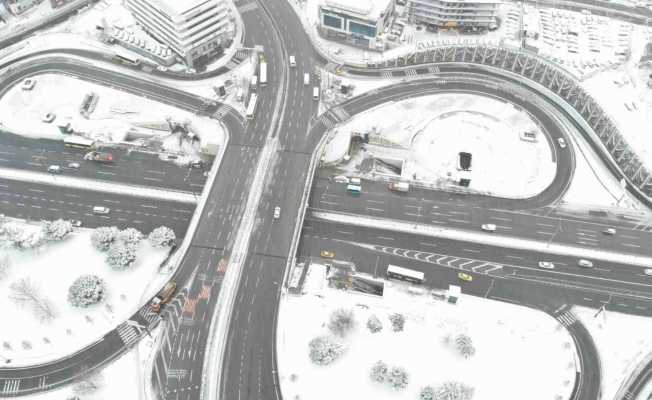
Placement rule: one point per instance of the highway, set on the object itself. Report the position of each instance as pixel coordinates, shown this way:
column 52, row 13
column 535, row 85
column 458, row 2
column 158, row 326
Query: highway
column 131, row 165
column 249, row 369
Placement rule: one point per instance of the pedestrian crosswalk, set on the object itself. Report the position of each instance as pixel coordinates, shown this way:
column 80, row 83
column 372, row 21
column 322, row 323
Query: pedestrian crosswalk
column 411, row 73
column 11, row 386
column 326, row 121
column 128, row 334
column 628, row 395
column 177, row 373
column 433, row 69
column 340, row 113
column 149, row 316
column 567, row 318
column 387, row 74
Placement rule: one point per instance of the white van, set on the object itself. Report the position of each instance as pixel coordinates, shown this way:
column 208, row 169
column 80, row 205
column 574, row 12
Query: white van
column 254, row 80
column 100, row 210
column 293, row 61
column 315, row 93
column 54, row 169
column 306, row 79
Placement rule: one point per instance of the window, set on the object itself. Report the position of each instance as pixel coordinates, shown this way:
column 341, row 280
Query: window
column 360, row 29
column 333, row 22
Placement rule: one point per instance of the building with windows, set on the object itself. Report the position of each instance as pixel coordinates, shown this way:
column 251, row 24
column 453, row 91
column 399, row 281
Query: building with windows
column 20, row 6
column 60, row 3
column 196, row 30
column 356, row 22
column 455, row 14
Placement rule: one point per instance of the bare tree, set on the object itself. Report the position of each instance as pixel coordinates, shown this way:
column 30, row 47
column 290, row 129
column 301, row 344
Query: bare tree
column 88, row 384
column 5, row 263
column 26, row 294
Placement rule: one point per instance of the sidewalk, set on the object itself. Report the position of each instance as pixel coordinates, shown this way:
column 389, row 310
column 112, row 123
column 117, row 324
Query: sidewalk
column 97, row 186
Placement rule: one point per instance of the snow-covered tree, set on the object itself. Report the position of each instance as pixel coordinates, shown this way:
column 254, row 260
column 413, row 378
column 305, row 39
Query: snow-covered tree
column 28, row 241
column 86, row 290
column 5, row 263
column 121, row 256
column 55, row 231
column 131, row 236
column 341, row 321
column 379, row 372
column 25, row 293
column 9, row 235
column 427, row 393
column 162, row 237
column 398, row 321
column 453, row 391
column 397, row 378
column 464, row 345
column 374, row 325
column 103, row 237
column 88, row 384
column 324, row 351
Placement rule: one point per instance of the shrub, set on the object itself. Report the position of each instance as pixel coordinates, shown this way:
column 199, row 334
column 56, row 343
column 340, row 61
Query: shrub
column 341, row 321
column 86, row 290
column 324, row 351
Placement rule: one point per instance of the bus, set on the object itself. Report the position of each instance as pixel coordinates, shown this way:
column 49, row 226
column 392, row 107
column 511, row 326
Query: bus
column 126, row 59
column 353, row 189
column 263, row 73
column 77, row 142
column 251, row 107
column 404, row 274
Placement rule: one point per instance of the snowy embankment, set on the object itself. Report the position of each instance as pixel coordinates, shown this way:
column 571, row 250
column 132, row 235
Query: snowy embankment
column 117, row 117
column 48, row 326
column 423, row 136
column 536, row 354
column 623, row 341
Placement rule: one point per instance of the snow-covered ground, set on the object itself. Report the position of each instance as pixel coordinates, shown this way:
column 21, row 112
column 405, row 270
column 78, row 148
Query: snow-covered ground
column 118, row 114
column 424, row 135
column 52, row 268
column 537, row 355
column 623, row 341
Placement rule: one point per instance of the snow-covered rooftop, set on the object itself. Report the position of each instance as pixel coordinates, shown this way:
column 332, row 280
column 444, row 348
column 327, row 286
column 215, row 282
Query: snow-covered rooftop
column 370, row 9
column 181, row 6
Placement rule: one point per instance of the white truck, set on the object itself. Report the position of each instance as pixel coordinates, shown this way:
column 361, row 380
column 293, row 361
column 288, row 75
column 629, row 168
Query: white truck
column 399, row 186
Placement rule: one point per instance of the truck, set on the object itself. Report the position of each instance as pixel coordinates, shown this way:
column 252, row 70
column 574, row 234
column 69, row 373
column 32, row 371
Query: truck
column 98, row 156
column 399, row 186
column 164, row 296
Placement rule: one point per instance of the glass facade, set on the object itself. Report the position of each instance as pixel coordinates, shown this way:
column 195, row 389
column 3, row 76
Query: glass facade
column 360, row 29
column 333, row 22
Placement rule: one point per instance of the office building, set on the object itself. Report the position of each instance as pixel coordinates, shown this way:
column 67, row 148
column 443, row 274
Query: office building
column 454, row 14
column 196, row 30
column 356, row 22
column 20, row 6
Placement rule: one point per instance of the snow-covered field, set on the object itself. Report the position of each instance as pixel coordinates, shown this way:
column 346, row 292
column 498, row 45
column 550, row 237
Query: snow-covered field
column 537, row 355
column 52, row 268
column 623, row 341
column 425, row 135
column 117, row 115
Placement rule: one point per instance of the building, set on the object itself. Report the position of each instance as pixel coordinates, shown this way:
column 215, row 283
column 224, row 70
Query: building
column 356, row 22
column 60, row 3
column 465, row 15
column 196, row 30
column 20, row 6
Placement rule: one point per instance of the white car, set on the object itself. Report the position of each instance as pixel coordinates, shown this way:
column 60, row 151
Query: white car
column 546, row 265
column 341, row 179
column 28, row 84
column 562, row 143
column 101, row 210
column 489, row 227
column 609, row 231
column 293, row 62
column 277, row 212
column 585, row 263
column 648, row 271
column 54, row 169
column 74, row 165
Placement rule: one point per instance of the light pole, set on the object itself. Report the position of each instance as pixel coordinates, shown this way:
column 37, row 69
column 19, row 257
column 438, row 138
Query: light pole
column 557, row 230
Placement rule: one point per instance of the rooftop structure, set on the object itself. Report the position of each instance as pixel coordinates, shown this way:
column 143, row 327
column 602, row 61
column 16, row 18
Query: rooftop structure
column 462, row 14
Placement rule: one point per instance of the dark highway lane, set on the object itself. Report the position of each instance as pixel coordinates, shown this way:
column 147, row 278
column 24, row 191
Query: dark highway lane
column 132, row 167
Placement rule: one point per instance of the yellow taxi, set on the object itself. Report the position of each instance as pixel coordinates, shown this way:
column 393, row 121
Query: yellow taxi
column 327, row 254
column 465, row 277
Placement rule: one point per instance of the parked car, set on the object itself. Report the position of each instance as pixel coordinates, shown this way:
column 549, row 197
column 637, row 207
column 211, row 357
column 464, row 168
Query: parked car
column 341, row 179
column 327, row 254
column 76, row 223
column 54, row 169
column 585, row 263
column 48, row 117
column 74, row 165
column 465, row 277
column 546, row 265
column 489, row 227
column 464, row 161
